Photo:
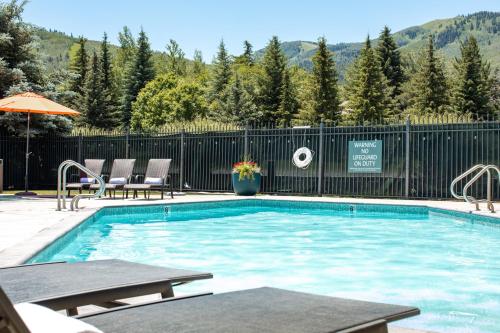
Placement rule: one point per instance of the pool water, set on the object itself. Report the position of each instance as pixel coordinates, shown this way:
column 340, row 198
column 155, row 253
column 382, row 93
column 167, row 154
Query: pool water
column 447, row 265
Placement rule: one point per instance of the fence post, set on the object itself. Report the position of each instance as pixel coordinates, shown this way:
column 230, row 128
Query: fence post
column 407, row 153
column 320, row 160
column 127, row 142
column 181, row 164
column 245, row 149
column 80, row 143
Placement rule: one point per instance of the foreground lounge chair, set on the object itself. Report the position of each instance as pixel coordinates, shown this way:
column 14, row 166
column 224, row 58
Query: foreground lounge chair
column 249, row 311
column 156, row 178
column 66, row 286
column 121, row 173
column 93, row 165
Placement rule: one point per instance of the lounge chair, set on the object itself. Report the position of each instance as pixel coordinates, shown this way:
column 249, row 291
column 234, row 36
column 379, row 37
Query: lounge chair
column 66, row 286
column 121, row 173
column 85, row 182
column 249, row 311
column 156, row 178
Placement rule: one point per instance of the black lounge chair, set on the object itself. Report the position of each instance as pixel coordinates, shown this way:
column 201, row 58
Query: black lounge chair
column 156, row 178
column 66, row 286
column 121, row 173
column 85, row 182
column 247, row 311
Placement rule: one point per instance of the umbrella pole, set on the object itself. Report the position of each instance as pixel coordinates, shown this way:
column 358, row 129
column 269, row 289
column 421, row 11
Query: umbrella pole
column 27, row 155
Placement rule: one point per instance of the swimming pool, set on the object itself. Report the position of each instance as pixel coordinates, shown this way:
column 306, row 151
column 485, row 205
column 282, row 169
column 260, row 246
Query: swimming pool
column 446, row 263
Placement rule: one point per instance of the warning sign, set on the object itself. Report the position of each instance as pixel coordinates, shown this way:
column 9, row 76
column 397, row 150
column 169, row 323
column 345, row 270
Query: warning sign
column 365, row 156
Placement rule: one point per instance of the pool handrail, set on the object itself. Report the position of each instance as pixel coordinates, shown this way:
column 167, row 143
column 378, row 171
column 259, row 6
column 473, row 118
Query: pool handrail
column 489, row 190
column 61, row 185
column 480, row 169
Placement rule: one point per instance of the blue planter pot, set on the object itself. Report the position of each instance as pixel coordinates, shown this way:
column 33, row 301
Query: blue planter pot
column 246, row 186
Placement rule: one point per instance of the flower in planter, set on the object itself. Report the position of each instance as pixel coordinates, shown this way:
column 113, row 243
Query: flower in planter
column 246, row 169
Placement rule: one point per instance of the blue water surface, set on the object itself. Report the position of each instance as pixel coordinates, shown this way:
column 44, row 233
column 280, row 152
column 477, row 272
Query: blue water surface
column 448, row 266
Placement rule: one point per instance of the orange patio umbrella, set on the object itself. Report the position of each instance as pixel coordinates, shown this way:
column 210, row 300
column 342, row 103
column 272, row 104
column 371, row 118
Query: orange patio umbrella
column 33, row 103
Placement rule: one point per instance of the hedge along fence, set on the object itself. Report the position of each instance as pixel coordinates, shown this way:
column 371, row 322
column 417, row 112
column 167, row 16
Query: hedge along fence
column 416, row 160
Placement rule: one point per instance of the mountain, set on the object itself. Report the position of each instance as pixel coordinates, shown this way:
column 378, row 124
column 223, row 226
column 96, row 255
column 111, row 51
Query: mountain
column 55, row 47
column 485, row 26
column 448, row 33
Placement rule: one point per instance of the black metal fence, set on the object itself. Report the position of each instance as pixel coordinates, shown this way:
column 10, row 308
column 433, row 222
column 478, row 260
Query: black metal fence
column 418, row 160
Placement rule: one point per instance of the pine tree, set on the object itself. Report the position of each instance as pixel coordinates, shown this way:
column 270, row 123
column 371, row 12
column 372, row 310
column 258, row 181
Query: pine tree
column 390, row 61
column 21, row 70
column 239, row 105
column 273, row 64
column 198, row 66
column 124, row 56
column 139, row 74
column 366, row 89
column 473, row 87
column 325, row 90
column 93, row 101
column 110, row 117
column 429, row 84
column 289, row 105
column 176, row 61
column 495, row 93
column 105, row 63
column 248, row 56
column 220, row 77
column 19, row 61
column 78, row 66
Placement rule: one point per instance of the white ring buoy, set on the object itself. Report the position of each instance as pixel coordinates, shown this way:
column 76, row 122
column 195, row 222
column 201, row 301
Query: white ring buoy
column 302, row 163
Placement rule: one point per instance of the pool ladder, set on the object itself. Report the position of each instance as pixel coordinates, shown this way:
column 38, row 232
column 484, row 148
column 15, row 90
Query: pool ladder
column 61, row 185
column 479, row 170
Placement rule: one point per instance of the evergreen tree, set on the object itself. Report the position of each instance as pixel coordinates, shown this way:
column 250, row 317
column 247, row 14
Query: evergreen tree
column 198, row 66
column 390, row 61
column 110, row 116
column 78, row 66
column 105, row 63
column 247, row 58
column 429, row 85
column 122, row 62
column 325, row 90
column 176, row 61
column 239, row 105
column 220, row 77
column 140, row 73
column 21, row 70
column 20, row 65
column 495, row 93
column 473, row 87
column 273, row 64
column 366, row 90
column 248, row 53
column 289, row 105
column 124, row 55
column 93, row 102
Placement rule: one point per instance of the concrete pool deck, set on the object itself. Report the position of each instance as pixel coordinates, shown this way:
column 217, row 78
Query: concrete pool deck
column 28, row 225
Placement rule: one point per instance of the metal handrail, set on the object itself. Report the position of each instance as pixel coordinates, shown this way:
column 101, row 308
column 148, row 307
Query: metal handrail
column 61, row 185
column 462, row 176
column 489, row 192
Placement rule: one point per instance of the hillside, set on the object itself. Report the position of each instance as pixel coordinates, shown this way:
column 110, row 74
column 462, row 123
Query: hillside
column 55, row 48
column 485, row 26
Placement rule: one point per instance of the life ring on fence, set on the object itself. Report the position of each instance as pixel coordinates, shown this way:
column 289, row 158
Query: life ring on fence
column 302, row 163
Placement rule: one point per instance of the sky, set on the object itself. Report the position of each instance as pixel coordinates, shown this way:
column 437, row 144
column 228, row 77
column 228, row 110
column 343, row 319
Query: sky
column 198, row 24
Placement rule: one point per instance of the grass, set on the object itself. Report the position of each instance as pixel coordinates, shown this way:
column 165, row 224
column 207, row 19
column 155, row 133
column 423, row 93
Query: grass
column 54, row 193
